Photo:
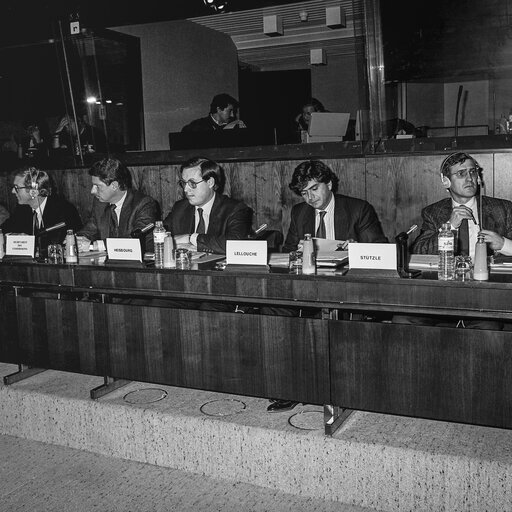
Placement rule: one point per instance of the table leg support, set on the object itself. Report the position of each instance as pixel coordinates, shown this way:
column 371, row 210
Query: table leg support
column 334, row 417
column 110, row 384
column 24, row 372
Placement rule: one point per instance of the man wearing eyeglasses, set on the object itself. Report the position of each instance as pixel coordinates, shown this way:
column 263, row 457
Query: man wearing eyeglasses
column 117, row 208
column 39, row 208
column 461, row 177
column 206, row 218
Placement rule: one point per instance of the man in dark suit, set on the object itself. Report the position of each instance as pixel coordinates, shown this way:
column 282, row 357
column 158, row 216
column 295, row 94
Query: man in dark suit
column 325, row 214
column 222, row 116
column 461, row 177
column 206, row 218
column 117, row 209
column 39, row 209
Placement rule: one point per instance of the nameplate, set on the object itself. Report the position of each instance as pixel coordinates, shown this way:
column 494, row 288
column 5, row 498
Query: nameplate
column 124, row 249
column 20, row 245
column 372, row 256
column 246, row 252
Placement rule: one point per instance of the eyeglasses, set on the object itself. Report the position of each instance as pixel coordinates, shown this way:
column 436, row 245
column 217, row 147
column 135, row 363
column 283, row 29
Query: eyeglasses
column 17, row 189
column 463, row 173
column 190, row 183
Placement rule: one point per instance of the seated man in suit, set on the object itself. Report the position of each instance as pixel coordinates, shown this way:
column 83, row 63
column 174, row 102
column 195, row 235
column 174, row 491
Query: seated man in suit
column 206, row 218
column 117, row 208
column 39, row 208
column 222, row 116
column 461, row 177
column 324, row 214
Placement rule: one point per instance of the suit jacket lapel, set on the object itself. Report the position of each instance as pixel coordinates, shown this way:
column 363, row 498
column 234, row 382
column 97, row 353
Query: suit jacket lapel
column 341, row 226
column 125, row 213
column 214, row 215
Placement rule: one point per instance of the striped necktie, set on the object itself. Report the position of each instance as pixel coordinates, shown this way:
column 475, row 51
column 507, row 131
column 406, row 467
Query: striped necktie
column 320, row 232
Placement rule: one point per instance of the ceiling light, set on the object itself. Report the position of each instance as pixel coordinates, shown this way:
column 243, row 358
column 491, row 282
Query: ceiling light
column 216, row 5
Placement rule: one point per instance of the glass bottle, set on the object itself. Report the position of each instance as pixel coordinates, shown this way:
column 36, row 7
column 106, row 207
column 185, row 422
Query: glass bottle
column 308, row 256
column 2, row 249
column 480, row 267
column 158, row 239
column 446, row 242
column 71, row 248
column 169, row 261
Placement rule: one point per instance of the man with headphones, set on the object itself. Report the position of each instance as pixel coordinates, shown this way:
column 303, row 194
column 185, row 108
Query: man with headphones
column 461, row 176
column 38, row 208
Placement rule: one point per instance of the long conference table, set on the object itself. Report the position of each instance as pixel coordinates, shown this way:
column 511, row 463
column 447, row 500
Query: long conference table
column 133, row 323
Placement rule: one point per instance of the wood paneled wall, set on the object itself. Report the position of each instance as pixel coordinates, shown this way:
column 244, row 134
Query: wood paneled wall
column 398, row 186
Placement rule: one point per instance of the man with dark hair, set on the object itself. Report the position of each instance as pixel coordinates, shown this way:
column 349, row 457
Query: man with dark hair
column 325, row 214
column 117, row 209
column 39, row 208
column 206, row 218
column 223, row 116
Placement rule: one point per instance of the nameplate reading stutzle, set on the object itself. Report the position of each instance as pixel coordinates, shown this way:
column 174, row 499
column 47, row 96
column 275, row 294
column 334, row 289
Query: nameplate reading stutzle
column 246, row 252
column 20, row 245
column 124, row 249
column 374, row 256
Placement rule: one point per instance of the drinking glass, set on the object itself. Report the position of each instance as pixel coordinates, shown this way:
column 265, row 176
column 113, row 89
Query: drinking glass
column 183, row 259
column 55, row 254
column 295, row 262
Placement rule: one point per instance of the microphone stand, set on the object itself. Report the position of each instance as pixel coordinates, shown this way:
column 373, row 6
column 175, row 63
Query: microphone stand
column 402, row 244
column 454, row 145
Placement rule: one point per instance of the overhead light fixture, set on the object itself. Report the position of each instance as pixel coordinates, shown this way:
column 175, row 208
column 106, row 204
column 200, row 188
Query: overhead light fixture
column 216, row 5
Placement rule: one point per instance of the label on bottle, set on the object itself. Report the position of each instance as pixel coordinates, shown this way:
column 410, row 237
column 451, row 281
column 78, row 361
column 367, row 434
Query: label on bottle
column 159, row 237
column 446, row 243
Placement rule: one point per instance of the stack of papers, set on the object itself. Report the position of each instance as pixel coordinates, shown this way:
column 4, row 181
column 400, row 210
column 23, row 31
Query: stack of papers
column 424, row 262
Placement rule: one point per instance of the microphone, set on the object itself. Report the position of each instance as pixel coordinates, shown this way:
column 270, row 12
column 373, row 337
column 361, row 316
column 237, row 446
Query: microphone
column 52, row 228
column 457, row 111
column 137, row 233
column 260, row 229
column 402, row 253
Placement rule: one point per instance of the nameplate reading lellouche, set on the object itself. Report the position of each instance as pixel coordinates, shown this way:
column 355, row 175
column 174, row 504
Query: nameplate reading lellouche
column 124, row 249
column 20, row 245
column 246, row 252
column 374, row 256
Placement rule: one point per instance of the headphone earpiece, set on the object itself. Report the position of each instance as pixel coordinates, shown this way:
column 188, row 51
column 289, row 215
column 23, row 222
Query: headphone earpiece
column 445, row 181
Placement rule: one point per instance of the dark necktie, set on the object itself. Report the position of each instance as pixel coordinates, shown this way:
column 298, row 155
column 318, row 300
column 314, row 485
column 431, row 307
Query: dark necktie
column 200, row 225
column 463, row 238
column 114, row 226
column 35, row 223
column 320, row 232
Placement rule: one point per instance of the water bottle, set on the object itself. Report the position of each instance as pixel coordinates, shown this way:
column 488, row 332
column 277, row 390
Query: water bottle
column 308, row 256
column 480, row 267
column 446, row 242
column 159, row 239
column 71, row 248
column 169, row 261
column 2, row 250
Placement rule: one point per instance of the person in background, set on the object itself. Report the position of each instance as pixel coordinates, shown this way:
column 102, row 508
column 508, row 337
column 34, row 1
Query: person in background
column 304, row 118
column 206, row 218
column 39, row 208
column 223, row 115
column 117, row 208
column 69, row 133
column 35, row 140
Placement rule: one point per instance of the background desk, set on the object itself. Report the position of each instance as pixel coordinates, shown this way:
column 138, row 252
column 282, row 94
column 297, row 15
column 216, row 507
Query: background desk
column 100, row 320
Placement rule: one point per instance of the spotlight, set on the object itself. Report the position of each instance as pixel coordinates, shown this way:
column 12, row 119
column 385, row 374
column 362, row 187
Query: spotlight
column 216, row 5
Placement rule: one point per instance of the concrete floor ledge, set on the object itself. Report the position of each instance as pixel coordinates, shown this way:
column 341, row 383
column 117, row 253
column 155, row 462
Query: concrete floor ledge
column 375, row 461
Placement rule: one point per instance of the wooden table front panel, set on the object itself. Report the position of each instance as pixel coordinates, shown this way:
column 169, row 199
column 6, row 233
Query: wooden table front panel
column 462, row 375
